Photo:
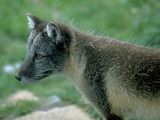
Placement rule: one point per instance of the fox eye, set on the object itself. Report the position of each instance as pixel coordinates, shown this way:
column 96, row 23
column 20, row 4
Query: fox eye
column 38, row 56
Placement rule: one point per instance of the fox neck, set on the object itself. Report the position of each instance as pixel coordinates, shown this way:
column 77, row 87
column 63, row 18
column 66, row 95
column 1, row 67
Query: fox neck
column 76, row 63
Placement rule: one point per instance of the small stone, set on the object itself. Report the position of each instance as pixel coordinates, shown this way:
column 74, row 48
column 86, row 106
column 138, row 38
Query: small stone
column 54, row 99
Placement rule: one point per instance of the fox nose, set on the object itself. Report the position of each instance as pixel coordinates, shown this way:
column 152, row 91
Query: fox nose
column 18, row 77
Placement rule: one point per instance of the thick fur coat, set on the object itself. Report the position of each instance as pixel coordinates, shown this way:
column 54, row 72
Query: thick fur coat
column 117, row 78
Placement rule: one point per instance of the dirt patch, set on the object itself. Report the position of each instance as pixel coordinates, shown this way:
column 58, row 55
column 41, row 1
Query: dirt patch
column 63, row 113
column 22, row 95
column 53, row 109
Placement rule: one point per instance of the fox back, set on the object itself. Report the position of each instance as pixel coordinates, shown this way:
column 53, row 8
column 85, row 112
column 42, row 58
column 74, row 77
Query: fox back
column 117, row 78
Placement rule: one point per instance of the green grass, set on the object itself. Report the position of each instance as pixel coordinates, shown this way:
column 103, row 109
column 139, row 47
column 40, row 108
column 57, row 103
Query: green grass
column 19, row 108
column 121, row 18
column 136, row 21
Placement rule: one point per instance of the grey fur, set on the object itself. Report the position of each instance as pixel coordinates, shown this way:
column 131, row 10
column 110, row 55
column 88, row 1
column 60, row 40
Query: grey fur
column 117, row 78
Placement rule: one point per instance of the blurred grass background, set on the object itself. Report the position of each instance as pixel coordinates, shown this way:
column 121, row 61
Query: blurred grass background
column 136, row 21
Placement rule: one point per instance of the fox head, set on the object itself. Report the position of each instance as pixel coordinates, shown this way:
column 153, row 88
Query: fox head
column 46, row 50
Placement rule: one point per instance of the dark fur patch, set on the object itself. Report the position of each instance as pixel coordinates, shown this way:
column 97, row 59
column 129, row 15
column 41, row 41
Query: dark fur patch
column 95, row 84
column 147, row 78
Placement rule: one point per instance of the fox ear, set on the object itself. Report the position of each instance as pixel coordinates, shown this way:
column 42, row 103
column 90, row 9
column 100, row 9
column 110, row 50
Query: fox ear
column 54, row 32
column 33, row 21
